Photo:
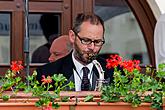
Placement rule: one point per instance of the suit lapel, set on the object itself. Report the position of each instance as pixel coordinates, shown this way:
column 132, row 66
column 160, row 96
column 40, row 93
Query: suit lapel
column 67, row 68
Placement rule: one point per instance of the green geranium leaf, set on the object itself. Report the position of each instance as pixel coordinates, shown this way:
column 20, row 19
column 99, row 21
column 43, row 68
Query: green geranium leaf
column 88, row 98
column 55, row 105
column 65, row 99
column 38, row 104
column 5, row 97
column 147, row 98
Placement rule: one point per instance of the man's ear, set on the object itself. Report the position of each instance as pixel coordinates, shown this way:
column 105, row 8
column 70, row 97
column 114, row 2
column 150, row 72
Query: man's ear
column 71, row 36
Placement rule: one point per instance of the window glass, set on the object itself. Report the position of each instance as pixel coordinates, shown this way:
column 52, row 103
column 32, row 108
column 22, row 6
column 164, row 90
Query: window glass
column 4, row 38
column 122, row 32
column 43, row 29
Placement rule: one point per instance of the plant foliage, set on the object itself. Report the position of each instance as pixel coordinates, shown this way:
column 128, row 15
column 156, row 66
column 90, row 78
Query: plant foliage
column 130, row 85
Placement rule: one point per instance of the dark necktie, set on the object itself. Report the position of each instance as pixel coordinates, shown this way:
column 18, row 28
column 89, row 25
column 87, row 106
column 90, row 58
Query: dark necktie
column 85, row 84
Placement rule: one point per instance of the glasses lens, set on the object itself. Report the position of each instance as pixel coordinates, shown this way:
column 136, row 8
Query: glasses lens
column 86, row 41
column 99, row 42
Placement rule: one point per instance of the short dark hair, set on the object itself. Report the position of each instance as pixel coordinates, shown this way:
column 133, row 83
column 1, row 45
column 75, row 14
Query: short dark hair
column 49, row 24
column 93, row 18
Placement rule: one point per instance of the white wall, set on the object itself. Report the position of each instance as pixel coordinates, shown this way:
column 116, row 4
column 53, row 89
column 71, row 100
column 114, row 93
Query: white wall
column 161, row 5
column 123, row 35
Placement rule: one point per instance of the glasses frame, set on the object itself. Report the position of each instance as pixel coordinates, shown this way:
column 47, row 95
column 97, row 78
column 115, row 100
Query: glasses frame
column 94, row 41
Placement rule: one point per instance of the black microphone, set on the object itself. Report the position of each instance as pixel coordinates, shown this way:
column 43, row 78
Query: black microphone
column 26, row 39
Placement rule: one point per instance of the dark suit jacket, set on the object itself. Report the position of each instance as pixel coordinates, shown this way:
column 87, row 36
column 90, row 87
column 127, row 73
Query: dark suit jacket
column 65, row 66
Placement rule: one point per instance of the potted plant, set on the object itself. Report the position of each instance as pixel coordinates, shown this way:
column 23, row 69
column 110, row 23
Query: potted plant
column 12, row 81
column 131, row 86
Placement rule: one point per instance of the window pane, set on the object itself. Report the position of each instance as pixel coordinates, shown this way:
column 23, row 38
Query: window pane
column 122, row 32
column 43, row 29
column 4, row 38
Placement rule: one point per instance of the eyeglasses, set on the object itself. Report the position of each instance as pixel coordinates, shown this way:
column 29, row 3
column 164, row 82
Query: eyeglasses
column 87, row 41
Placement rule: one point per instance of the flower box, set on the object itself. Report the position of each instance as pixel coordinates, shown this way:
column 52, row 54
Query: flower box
column 130, row 87
column 25, row 102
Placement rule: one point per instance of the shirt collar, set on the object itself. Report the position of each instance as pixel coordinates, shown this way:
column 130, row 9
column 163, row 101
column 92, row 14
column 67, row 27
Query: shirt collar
column 79, row 66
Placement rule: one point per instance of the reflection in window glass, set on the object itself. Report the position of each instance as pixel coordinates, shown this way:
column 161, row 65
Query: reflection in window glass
column 4, row 38
column 43, row 29
column 122, row 33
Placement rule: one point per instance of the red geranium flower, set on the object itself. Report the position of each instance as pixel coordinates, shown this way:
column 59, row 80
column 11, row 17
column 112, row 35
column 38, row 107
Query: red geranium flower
column 48, row 108
column 46, row 80
column 130, row 65
column 113, row 61
column 116, row 60
column 16, row 66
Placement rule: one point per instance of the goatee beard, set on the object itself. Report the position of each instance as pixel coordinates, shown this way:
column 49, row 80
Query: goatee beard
column 89, row 59
column 92, row 56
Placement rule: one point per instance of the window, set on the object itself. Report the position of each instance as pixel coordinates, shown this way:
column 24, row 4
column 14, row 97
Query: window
column 43, row 29
column 123, row 35
column 5, row 38
column 12, row 28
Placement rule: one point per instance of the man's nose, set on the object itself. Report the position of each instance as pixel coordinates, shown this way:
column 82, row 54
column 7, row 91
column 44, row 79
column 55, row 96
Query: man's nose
column 51, row 58
column 91, row 46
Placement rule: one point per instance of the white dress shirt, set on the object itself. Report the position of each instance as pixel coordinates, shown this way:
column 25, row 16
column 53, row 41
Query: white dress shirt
column 78, row 73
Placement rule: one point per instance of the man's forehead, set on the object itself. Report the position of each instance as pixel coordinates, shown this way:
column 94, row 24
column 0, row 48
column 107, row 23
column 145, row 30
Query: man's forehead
column 59, row 43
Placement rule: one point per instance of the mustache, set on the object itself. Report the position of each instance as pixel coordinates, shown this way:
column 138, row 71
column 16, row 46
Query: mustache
column 92, row 56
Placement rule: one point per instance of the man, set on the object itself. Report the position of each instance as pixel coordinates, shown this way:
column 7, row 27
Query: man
column 60, row 47
column 49, row 26
column 87, row 37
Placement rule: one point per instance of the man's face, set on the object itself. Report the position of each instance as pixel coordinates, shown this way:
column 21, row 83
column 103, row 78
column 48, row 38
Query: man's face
column 59, row 48
column 87, row 32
